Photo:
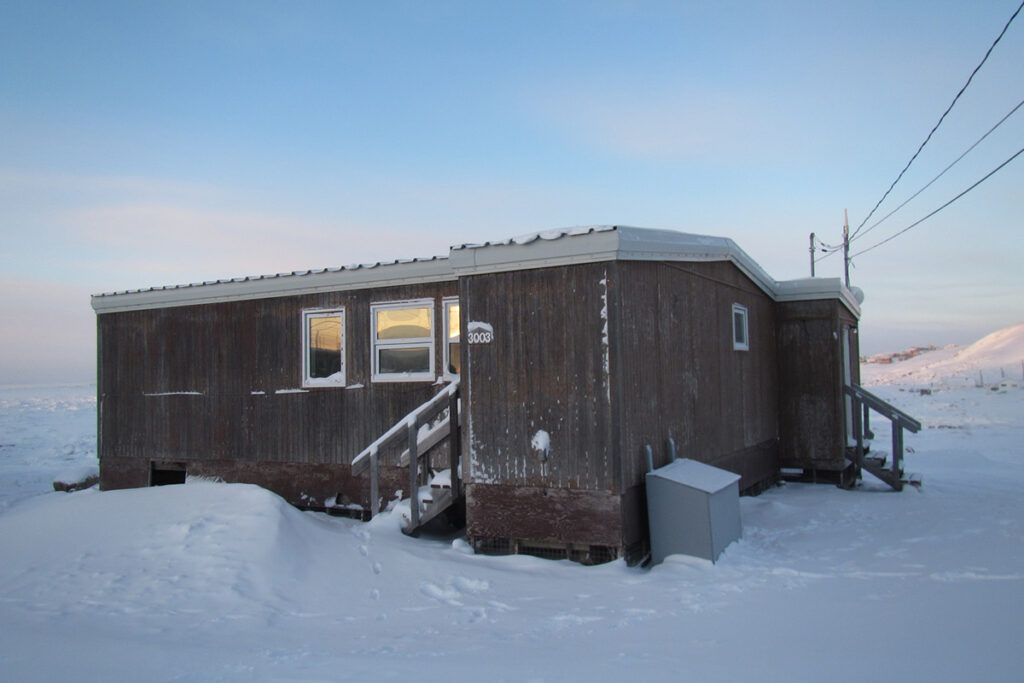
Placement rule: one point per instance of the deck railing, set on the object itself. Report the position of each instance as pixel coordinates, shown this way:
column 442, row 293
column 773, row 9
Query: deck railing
column 417, row 447
column 864, row 402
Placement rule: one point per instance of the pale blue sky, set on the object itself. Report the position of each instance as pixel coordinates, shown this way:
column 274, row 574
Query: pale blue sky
column 157, row 143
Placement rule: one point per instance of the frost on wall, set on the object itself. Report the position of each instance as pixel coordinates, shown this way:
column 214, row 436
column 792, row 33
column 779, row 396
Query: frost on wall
column 605, row 346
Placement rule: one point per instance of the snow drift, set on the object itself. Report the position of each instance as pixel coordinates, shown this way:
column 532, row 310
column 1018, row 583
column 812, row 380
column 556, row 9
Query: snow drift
column 226, row 582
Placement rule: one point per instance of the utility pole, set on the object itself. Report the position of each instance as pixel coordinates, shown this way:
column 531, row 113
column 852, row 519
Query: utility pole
column 812, row 254
column 846, row 247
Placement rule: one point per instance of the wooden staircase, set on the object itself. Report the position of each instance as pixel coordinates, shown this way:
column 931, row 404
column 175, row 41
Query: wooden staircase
column 435, row 499
column 889, row 470
column 421, row 431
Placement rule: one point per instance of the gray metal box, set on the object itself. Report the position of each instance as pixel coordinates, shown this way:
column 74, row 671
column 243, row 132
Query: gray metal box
column 693, row 509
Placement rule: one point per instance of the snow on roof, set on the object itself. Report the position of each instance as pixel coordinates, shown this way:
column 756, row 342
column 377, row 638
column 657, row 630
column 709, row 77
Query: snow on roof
column 585, row 244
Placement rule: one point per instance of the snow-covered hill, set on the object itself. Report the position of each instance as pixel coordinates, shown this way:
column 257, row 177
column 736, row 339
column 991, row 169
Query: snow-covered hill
column 995, row 359
column 218, row 582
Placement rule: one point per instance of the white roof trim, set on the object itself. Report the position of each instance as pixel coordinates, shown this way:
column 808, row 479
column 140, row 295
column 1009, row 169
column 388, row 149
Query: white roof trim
column 602, row 243
column 817, row 288
column 417, row 271
column 541, row 250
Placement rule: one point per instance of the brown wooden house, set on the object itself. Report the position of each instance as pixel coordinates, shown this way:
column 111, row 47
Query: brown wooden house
column 569, row 352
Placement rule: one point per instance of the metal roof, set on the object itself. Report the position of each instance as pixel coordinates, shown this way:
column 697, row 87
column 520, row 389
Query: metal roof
column 567, row 246
column 359, row 276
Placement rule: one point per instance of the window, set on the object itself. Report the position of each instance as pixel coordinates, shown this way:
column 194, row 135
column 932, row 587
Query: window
column 452, row 345
column 403, row 341
column 323, row 343
column 740, row 329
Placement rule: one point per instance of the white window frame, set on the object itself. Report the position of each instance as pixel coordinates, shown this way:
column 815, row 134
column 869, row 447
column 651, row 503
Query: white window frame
column 737, row 343
column 338, row 379
column 446, row 305
column 407, row 343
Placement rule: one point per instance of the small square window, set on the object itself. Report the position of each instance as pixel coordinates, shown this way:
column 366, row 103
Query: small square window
column 403, row 341
column 323, row 343
column 740, row 328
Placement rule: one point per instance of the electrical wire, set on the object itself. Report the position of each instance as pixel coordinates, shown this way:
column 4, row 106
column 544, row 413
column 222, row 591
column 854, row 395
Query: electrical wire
column 955, row 161
column 825, row 246
column 941, row 119
column 922, row 220
column 834, row 250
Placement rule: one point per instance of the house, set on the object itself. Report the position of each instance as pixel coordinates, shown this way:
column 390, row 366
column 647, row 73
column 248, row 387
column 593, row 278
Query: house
column 569, row 353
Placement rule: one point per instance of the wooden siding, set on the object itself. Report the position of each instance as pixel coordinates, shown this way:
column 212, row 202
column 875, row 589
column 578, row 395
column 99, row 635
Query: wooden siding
column 680, row 375
column 544, row 370
column 811, row 417
column 545, row 515
column 665, row 332
column 308, row 485
column 236, row 357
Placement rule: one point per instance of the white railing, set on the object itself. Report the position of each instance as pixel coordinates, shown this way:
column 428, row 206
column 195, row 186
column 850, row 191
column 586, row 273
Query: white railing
column 408, row 428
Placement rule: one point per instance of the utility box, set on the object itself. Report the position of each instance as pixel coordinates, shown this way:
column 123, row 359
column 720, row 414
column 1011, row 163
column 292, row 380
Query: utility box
column 693, row 509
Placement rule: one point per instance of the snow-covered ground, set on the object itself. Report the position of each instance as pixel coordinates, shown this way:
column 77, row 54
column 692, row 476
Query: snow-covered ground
column 218, row 582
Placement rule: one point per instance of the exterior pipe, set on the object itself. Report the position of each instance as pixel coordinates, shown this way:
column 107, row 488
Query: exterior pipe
column 671, row 443
column 650, row 458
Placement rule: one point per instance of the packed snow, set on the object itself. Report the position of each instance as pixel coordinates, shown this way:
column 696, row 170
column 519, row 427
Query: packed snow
column 212, row 581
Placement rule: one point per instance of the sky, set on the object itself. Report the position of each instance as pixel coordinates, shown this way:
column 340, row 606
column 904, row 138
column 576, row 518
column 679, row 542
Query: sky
column 160, row 143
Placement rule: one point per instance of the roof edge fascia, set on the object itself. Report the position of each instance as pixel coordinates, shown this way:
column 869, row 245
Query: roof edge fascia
column 271, row 286
column 620, row 243
column 817, row 289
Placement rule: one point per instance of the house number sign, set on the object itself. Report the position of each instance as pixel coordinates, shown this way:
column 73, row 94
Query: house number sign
column 479, row 333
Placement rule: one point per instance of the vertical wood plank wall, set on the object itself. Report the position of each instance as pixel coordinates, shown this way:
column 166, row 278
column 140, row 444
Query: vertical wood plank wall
column 228, row 353
column 811, row 417
column 686, row 380
column 545, row 372
column 672, row 372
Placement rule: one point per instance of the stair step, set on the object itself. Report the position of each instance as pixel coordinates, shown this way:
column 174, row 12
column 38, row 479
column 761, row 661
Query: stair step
column 875, row 461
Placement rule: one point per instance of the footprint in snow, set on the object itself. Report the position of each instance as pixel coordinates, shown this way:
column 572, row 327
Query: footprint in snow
column 377, row 568
column 468, row 585
column 447, row 595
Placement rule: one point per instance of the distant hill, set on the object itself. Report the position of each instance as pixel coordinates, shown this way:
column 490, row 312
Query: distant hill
column 992, row 360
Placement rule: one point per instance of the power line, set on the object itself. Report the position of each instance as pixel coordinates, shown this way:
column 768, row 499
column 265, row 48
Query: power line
column 922, row 220
column 955, row 161
column 941, row 118
column 825, row 246
column 829, row 249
